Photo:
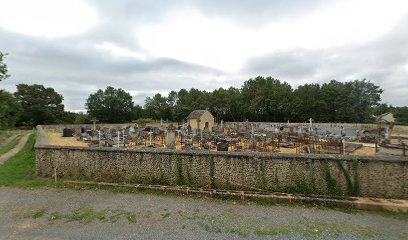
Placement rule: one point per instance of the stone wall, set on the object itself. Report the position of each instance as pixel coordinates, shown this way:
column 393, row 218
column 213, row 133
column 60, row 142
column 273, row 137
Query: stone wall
column 311, row 174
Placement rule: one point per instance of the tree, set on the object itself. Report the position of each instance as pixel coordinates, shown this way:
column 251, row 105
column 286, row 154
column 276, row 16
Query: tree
column 158, row 107
column 307, row 102
column 267, row 99
column 3, row 67
column 41, row 105
column 138, row 112
column 82, row 118
column 110, row 106
column 350, row 101
column 10, row 110
column 227, row 104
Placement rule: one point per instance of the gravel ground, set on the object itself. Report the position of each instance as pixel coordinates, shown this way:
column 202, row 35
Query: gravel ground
column 98, row 214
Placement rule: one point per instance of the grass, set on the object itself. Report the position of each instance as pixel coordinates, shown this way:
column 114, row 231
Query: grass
column 39, row 213
column 86, row 215
column 4, row 134
column 166, row 214
column 55, row 216
column 19, row 170
column 10, row 145
column 83, row 214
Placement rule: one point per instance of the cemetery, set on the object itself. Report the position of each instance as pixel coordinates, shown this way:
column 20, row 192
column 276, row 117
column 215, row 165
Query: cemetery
column 305, row 138
column 308, row 158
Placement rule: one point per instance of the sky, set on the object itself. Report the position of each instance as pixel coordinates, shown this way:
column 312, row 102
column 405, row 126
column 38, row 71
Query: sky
column 155, row 46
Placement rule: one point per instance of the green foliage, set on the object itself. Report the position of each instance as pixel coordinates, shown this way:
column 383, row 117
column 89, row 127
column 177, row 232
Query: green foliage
column 82, row 118
column 352, row 178
column 179, row 168
column 401, row 123
column 138, row 112
column 10, row 110
column 41, row 105
column 159, row 107
column 110, row 106
column 212, row 172
column 330, row 180
column 39, row 213
column 356, row 178
column 269, row 99
column 3, row 67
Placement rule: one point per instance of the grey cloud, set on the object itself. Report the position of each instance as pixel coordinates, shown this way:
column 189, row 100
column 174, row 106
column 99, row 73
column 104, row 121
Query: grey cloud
column 381, row 60
column 77, row 70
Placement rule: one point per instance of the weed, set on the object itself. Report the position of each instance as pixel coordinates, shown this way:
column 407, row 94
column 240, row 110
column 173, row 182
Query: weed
column 131, row 217
column 86, row 215
column 212, row 171
column 179, row 169
column 166, row 214
column 55, row 216
column 39, row 213
column 330, row 181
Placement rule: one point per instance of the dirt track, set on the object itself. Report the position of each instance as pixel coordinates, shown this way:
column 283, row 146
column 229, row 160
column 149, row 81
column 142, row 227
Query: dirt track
column 15, row 150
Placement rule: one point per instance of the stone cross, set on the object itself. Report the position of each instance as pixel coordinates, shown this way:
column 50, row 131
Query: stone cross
column 94, row 121
column 310, row 125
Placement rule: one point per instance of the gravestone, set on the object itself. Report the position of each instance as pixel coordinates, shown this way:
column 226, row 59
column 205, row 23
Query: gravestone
column 222, row 146
column 67, row 132
column 171, row 137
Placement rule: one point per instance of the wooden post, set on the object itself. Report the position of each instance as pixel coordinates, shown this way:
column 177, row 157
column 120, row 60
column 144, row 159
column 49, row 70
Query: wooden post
column 55, row 174
column 403, row 150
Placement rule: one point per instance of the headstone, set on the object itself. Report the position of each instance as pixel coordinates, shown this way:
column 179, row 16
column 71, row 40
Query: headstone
column 67, row 132
column 171, row 137
column 222, row 146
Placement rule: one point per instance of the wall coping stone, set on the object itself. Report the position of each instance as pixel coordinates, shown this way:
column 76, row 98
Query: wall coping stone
column 297, row 156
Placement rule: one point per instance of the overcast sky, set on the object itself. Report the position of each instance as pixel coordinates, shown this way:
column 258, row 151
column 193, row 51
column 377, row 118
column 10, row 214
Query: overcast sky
column 146, row 46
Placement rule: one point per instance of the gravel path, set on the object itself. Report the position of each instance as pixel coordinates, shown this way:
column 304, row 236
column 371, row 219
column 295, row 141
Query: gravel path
column 15, row 150
column 98, row 214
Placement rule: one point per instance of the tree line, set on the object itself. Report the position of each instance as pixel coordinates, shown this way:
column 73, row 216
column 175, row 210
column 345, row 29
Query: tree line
column 271, row 100
column 259, row 99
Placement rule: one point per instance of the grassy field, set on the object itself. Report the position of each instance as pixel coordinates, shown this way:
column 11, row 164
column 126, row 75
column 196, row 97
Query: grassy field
column 4, row 134
column 10, row 145
column 20, row 169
